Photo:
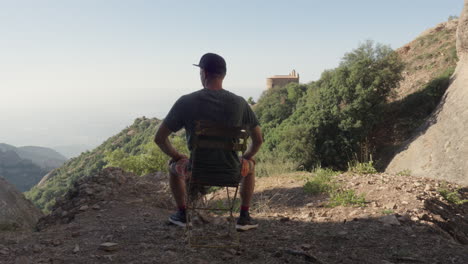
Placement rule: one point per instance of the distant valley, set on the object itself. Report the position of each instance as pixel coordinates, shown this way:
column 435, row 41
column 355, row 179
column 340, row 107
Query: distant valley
column 25, row 166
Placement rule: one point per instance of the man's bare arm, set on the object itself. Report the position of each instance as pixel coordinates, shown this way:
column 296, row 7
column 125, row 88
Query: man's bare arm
column 257, row 140
column 162, row 140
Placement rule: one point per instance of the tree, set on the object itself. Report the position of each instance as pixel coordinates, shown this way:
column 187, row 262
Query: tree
column 335, row 115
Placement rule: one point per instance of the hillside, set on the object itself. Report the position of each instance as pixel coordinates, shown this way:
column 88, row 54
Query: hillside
column 404, row 220
column 130, row 140
column 22, row 173
column 427, row 57
column 439, row 147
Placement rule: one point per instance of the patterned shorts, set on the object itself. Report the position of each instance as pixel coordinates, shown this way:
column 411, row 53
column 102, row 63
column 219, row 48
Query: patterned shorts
column 181, row 167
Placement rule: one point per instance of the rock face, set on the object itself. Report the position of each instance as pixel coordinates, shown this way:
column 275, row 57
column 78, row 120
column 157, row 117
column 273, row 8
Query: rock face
column 440, row 147
column 15, row 211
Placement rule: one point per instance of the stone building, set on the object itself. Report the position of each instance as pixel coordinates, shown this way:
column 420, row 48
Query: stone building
column 282, row 80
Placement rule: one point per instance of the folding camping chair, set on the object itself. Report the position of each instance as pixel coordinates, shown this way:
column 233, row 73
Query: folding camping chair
column 209, row 136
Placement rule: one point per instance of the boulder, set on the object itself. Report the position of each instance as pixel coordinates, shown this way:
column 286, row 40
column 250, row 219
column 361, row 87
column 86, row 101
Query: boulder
column 439, row 149
column 16, row 212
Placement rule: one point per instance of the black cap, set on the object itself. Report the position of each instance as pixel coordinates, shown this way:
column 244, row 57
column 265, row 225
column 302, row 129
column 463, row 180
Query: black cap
column 213, row 63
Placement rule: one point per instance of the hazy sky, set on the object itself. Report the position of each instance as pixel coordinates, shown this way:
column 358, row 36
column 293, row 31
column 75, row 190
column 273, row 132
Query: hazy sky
column 77, row 72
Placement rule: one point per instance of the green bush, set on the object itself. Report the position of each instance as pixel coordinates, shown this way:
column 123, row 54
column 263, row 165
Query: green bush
column 322, row 182
column 347, row 198
column 337, row 112
column 452, row 197
column 151, row 159
column 361, row 167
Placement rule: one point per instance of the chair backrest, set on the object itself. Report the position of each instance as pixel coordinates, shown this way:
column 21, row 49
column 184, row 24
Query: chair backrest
column 210, row 136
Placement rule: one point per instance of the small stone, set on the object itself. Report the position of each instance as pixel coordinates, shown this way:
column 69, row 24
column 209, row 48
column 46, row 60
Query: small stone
column 22, row 260
column 4, row 251
column 83, row 208
column 342, row 233
column 306, row 246
column 108, row 246
column 404, row 203
column 76, row 249
column 389, row 220
column 56, row 242
column 36, row 248
column 96, row 207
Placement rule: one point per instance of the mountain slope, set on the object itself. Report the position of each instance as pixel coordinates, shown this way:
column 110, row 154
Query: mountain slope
column 56, row 183
column 22, row 173
column 439, row 147
column 46, row 158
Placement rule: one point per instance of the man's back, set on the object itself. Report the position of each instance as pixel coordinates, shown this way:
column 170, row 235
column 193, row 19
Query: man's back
column 219, row 106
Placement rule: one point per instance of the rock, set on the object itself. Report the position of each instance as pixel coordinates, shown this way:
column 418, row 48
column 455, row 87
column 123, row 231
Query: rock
column 342, row 233
column 36, row 248
column 22, row 260
column 75, row 234
column 438, row 148
column 76, row 249
column 56, row 243
column 83, row 208
column 4, row 251
column 306, row 246
column 96, row 207
column 389, row 220
column 404, row 203
column 109, row 246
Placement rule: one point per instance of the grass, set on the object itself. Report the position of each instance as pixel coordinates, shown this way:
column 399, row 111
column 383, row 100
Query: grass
column 361, row 167
column 452, row 197
column 270, row 164
column 347, row 198
column 387, row 211
column 404, row 173
column 323, row 183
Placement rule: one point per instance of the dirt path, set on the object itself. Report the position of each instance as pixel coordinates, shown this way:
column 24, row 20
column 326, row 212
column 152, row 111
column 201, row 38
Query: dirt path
column 294, row 228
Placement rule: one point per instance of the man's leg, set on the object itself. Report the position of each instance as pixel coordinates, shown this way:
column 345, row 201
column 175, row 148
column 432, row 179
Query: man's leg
column 177, row 177
column 247, row 189
column 245, row 222
column 178, row 189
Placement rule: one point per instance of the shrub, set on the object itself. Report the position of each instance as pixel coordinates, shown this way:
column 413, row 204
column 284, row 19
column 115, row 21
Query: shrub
column 361, row 167
column 322, row 182
column 452, row 197
column 347, row 198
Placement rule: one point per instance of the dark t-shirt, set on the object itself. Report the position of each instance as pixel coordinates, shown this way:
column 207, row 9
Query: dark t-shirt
column 219, row 106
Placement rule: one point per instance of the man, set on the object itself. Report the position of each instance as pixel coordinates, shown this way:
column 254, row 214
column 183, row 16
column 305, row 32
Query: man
column 211, row 103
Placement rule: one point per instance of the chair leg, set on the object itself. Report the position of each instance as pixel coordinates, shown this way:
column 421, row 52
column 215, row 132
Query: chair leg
column 195, row 240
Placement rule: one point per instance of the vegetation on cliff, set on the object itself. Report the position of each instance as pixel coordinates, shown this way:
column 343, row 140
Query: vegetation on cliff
column 132, row 141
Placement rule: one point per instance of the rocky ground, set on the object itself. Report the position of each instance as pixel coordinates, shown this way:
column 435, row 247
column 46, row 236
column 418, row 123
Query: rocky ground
column 404, row 221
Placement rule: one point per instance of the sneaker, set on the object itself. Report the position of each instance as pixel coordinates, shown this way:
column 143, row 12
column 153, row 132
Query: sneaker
column 178, row 218
column 245, row 223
